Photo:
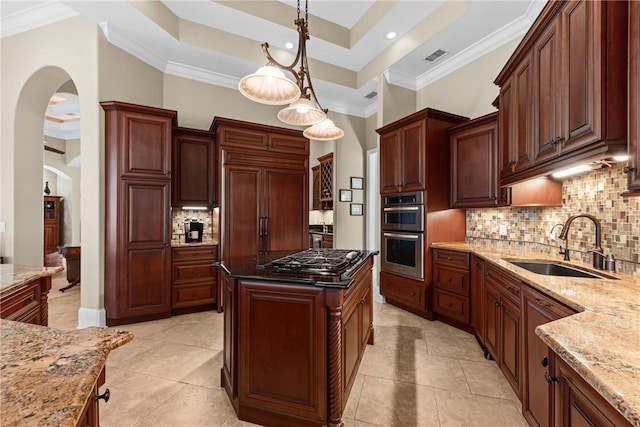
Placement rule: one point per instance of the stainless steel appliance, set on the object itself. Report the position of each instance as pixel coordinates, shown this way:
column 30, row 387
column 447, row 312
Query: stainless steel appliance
column 193, row 230
column 403, row 234
column 317, row 261
column 403, row 212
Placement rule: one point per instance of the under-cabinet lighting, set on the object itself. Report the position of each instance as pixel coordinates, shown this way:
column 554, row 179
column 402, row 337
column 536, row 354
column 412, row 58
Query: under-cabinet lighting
column 621, row 158
column 194, row 208
column 571, row 171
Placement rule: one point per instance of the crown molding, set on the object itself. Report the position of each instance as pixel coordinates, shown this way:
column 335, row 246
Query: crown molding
column 201, row 75
column 34, row 17
column 120, row 39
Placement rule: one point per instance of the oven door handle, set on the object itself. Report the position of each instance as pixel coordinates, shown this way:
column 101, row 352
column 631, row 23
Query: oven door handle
column 402, row 208
column 402, row 236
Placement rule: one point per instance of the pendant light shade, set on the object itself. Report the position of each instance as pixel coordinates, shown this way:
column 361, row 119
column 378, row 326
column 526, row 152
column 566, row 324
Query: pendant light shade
column 302, row 112
column 269, row 86
column 326, row 130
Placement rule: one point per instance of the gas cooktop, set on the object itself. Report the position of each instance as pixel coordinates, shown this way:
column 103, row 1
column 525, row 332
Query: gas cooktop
column 317, row 261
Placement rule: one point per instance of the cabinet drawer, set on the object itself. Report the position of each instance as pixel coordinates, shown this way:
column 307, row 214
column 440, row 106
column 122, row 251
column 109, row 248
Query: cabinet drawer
column 16, row 304
column 186, row 296
column 451, row 258
column 403, row 290
column 451, row 305
column 507, row 284
column 451, row 279
column 183, row 254
column 192, row 272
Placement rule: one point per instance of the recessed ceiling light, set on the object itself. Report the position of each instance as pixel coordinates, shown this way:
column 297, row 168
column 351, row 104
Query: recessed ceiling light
column 391, row 35
column 288, row 45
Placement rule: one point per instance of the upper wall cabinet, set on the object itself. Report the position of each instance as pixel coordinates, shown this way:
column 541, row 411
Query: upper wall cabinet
column 633, row 168
column 403, row 152
column 563, row 93
column 193, row 168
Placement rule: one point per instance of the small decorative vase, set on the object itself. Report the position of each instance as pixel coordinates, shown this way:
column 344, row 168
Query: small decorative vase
column 46, row 188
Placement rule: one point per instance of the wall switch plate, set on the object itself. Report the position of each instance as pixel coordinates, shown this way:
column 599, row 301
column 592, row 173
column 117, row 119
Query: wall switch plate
column 503, row 229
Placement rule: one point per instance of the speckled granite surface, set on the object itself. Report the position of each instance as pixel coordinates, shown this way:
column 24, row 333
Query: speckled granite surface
column 47, row 374
column 13, row 275
column 602, row 341
column 205, row 242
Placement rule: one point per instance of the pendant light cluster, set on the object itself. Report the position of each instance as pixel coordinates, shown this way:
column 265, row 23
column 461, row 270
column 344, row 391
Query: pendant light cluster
column 268, row 85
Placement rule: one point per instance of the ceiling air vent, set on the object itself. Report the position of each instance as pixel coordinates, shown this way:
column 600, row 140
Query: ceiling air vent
column 435, row 55
column 371, row 95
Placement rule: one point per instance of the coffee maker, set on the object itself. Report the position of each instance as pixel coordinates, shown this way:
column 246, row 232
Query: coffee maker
column 193, row 230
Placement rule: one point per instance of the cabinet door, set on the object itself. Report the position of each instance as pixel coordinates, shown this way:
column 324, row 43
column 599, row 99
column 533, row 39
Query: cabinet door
column 193, row 173
column 351, row 330
column 510, row 343
column 547, row 112
column 367, row 316
column 492, row 318
column 242, row 211
column 390, row 163
column 634, row 98
column 285, row 210
column 145, row 145
column 474, row 178
column 522, row 143
column 506, row 126
column 477, row 295
column 315, row 198
column 413, row 156
column 229, row 371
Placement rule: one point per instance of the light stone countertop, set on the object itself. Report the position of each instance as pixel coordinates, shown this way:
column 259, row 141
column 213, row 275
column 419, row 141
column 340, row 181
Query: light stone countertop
column 47, row 374
column 14, row 275
column 602, row 342
column 181, row 243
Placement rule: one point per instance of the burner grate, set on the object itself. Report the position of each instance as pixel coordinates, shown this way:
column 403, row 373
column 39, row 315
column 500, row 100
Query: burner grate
column 317, row 261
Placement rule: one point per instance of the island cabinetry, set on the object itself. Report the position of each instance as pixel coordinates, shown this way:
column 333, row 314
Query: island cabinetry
column 539, row 361
column 194, row 178
column 633, row 166
column 451, row 296
column 90, row 416
column 194, row 285
column 266, row 188
column 572, row 58
column 28, row 302
column 292, row 350
column 577, row 404
column 137, row 283
column 502, row 324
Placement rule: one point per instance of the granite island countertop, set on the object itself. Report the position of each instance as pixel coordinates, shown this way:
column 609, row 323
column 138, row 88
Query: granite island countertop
column 47, row 374
column 602, row 342
column 15, row 275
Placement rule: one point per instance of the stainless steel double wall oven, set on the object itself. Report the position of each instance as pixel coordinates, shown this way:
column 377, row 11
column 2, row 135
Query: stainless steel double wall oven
column 403, row 234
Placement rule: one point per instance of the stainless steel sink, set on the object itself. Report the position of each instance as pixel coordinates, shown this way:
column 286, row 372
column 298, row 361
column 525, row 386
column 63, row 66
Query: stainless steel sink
column 550, row 268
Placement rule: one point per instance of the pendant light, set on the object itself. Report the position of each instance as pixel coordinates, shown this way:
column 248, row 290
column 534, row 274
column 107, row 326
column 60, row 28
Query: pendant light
column 269, row 86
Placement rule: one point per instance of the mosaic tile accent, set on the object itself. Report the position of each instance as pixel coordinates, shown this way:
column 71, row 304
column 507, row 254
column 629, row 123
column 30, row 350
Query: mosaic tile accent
column 596, row 193
column 177, row 222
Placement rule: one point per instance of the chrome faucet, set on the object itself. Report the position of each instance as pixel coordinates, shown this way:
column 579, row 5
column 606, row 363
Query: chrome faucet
column 598, row 252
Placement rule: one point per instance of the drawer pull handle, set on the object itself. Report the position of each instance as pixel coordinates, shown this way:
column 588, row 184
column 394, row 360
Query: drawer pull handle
column 550, row 379
column 497, row 304
column 450, row 305
column 449, row 257
column 542, row 303
column 195, row 271
column 104, row 396
column 31, row 298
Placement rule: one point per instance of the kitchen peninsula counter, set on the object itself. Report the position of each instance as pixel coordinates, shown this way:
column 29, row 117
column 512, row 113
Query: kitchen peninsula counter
column 47, row 374
column 602, row 342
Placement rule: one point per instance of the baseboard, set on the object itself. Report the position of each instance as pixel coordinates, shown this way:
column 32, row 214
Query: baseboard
column 91, row 317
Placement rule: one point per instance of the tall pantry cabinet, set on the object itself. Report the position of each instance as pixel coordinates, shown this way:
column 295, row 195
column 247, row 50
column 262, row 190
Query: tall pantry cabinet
column 265, row 171
column 137, row 212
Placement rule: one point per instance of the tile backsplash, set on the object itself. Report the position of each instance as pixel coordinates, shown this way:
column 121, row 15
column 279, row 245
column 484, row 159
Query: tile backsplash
column 177, row 222
column 596, row 193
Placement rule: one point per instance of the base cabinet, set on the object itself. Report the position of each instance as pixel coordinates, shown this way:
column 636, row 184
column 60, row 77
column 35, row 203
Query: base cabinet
column 194, row 284
column 451, row 296
column 276, row 374
column 90, row 416
column 27, row 303
column 577, row 404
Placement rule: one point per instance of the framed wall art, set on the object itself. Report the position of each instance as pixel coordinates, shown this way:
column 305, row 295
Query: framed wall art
column 357, row 183
column 345, row 196
column 356, row 209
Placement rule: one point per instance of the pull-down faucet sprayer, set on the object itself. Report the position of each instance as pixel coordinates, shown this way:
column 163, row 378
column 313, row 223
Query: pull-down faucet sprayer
column 598, row 252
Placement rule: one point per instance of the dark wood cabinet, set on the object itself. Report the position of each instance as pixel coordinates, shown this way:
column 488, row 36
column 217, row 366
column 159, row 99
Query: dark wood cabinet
column 137, row 284
column 403, row 152
column 27, row 303
column 502, row 324
column 577, row 404
column 52, row 224
column 477, row 266
column 315, row 197
column 194, row 285
column 326, row 181
column 90, row 416
column 573, row 55
column 539, row 361
column 633, row 165
column 275, row 374
column 403, row 291
column 474, row 164
column 451, row 293
column 194, row 177
column 266, row 188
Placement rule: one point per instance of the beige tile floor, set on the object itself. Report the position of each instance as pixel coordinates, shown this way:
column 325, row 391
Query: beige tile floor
column 418, row 373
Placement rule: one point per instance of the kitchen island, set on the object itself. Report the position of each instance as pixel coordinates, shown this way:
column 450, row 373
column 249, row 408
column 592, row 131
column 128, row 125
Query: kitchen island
column 24, row 293
column 51, row 377
column 293, row 340
column 600, row 345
